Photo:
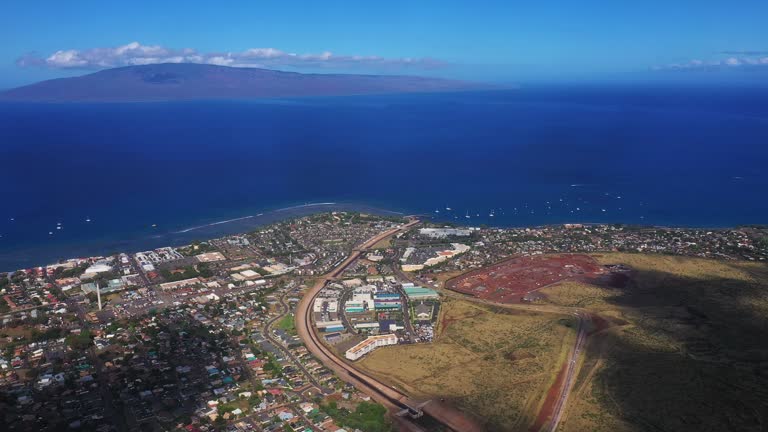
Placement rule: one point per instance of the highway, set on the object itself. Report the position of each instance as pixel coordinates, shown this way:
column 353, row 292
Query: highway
column 390, row 397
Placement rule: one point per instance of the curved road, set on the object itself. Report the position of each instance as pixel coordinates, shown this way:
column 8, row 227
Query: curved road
column 267, row 333
column 387, row 396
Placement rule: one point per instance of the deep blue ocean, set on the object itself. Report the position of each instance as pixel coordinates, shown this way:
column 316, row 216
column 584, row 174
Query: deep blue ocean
column 108, row 172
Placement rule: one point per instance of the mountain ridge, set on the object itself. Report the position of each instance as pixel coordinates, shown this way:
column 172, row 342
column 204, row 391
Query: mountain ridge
column 190, row 81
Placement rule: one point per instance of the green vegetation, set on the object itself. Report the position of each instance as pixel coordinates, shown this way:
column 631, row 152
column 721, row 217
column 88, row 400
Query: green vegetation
column 204, row 269
column 80, row 341
column 261, row 271
column 68, row 273
column 51, row 333
column 273, row 366
column 18, row 276
column 368, row 417
column 187, row 272
column 287, row 323
column 102, row 279
column 202, row 247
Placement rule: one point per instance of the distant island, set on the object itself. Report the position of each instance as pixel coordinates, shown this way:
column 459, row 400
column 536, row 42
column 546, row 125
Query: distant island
column 186, row 81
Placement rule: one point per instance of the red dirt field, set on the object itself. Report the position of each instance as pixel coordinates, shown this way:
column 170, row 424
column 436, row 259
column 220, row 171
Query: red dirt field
column 549, row 402
column 509, row 281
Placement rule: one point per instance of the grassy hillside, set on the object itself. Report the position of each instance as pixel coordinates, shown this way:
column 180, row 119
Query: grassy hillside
column 495, row 363
column 686, row 347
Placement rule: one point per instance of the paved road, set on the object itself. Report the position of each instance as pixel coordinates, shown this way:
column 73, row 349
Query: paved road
column 255, row 384
column 267, row 333
column 406, row 302
column 387, row 396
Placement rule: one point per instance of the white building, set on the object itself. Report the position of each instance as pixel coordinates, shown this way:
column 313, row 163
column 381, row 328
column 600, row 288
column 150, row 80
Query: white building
column 370, row 344
column 331, row 304
column 98, row 268
column 439, row 233
column 351, row 283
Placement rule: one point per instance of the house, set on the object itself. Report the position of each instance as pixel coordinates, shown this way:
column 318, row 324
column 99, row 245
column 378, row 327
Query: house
column 285, row 415
column 423, row 312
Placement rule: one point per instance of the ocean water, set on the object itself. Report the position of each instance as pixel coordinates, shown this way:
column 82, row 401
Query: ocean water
column 646, row 155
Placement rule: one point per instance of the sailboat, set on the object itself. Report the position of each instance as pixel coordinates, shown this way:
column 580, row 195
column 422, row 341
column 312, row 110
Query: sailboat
column 467, row 216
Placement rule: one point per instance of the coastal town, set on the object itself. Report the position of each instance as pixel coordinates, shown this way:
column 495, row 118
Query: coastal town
column 204, row 337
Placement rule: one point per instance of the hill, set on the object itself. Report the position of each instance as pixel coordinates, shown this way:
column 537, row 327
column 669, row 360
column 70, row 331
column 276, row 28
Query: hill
column 186, row 81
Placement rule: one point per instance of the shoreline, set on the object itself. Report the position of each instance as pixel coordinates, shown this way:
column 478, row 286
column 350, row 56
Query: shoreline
column 41, row 256
column 247, row 223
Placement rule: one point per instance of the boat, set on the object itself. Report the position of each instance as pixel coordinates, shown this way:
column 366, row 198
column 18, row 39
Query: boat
column 437, row 211
column 467, row 216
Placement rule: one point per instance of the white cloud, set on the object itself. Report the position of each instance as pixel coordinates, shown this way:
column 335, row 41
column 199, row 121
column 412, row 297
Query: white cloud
column 740, row 60
column 263, row 53
column 135, row 53
column 63, row 59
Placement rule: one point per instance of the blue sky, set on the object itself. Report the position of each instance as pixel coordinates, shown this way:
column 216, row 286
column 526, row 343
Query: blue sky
column 500, row 41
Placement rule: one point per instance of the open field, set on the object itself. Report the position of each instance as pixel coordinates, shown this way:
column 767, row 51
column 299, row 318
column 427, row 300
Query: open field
column 510, row 280
column 496, row 364
column 287, row 324
column 681, row 347
column 383, row 244
column 442, row 277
